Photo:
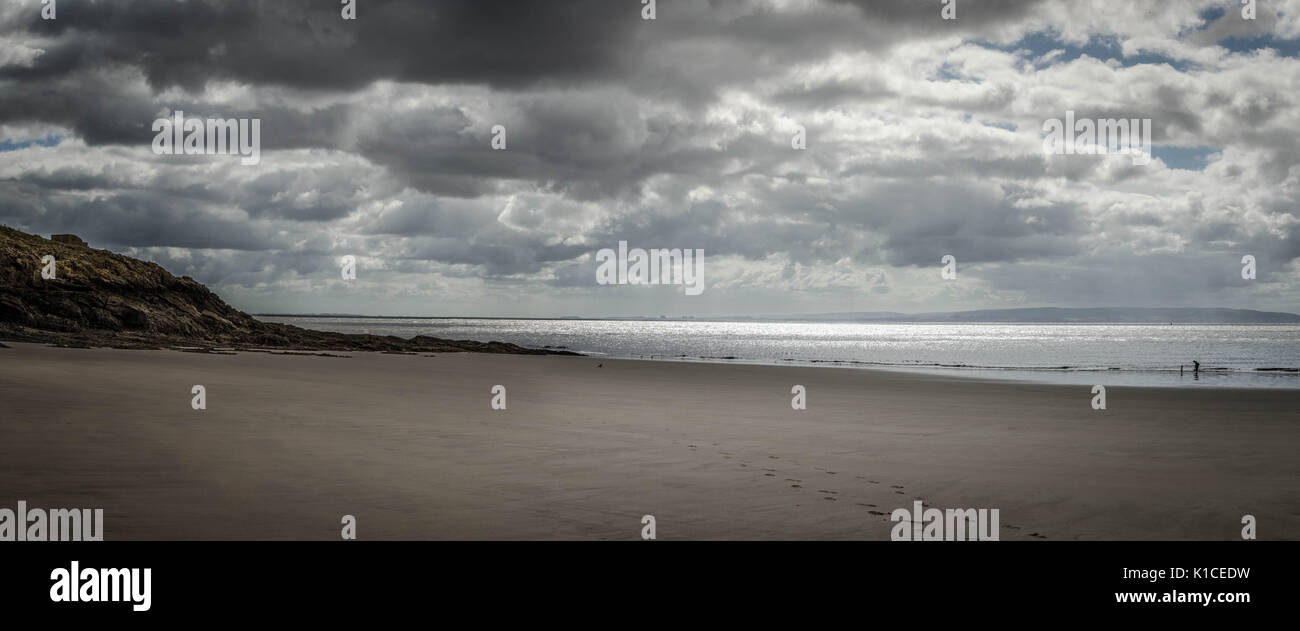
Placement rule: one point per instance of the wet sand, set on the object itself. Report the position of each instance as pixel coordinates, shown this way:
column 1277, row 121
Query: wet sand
column 411, row 446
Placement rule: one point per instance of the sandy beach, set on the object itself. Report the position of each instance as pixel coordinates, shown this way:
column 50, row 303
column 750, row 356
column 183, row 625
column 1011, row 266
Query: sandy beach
column 411, row 446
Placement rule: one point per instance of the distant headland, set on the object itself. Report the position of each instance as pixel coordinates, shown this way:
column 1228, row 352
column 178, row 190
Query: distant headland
column 61, row 291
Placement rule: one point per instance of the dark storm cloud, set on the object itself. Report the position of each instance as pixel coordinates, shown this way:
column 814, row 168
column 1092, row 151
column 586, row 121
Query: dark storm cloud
column 20, row 202
column 133, row 218
column 505, row 45
column 315, row 196
column 498, row 257
column 971, row 14
column 91, row 105
column 431, row 150
column 586, row 146
column 305, row 43
column 101, row 116
column 460, row 233
column 244, row 268
column 751, row 232
column 62, row 179
column 431, row 217
column 923, row 223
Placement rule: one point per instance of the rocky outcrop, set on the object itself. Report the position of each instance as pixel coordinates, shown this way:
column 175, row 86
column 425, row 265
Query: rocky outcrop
column 69, row 239
column 98, row 298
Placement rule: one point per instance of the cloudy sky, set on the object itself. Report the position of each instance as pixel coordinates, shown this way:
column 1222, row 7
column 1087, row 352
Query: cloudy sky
column 924, row 138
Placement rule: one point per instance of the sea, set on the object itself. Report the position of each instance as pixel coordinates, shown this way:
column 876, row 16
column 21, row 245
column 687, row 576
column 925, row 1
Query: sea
column 1230, row 355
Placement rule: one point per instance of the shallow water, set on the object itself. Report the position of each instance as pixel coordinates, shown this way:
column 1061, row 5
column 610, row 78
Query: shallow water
column 1110, row 354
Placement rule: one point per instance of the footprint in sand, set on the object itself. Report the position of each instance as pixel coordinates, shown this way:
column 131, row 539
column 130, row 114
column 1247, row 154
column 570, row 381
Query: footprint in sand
column 876, row 512
column 825, row 491
column 770, row 475
column 829, row 498
column 1034, row 534
column 867, row 505
column 895, row 486
column 796, row 486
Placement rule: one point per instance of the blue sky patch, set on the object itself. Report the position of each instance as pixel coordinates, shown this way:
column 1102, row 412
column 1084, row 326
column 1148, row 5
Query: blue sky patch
column 1284, row 47
column 1185, row 158
column 48, row 141
column 1105, row 48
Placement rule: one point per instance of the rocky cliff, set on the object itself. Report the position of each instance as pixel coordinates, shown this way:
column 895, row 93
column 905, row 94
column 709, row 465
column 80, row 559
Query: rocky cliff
column 98, row 298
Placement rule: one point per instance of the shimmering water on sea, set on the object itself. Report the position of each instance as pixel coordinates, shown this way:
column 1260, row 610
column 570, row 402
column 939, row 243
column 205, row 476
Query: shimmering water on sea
column 1117, row 354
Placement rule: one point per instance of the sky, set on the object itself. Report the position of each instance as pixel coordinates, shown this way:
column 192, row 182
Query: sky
column 923, row 138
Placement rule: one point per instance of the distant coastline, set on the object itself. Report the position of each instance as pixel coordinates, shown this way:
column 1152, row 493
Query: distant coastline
column 1036, row 315
column 1230, row 354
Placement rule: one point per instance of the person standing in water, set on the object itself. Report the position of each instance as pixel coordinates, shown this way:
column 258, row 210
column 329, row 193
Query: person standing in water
column 1196, row 367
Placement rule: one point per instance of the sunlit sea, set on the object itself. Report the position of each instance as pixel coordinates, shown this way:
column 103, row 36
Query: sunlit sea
column 1108, row 354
